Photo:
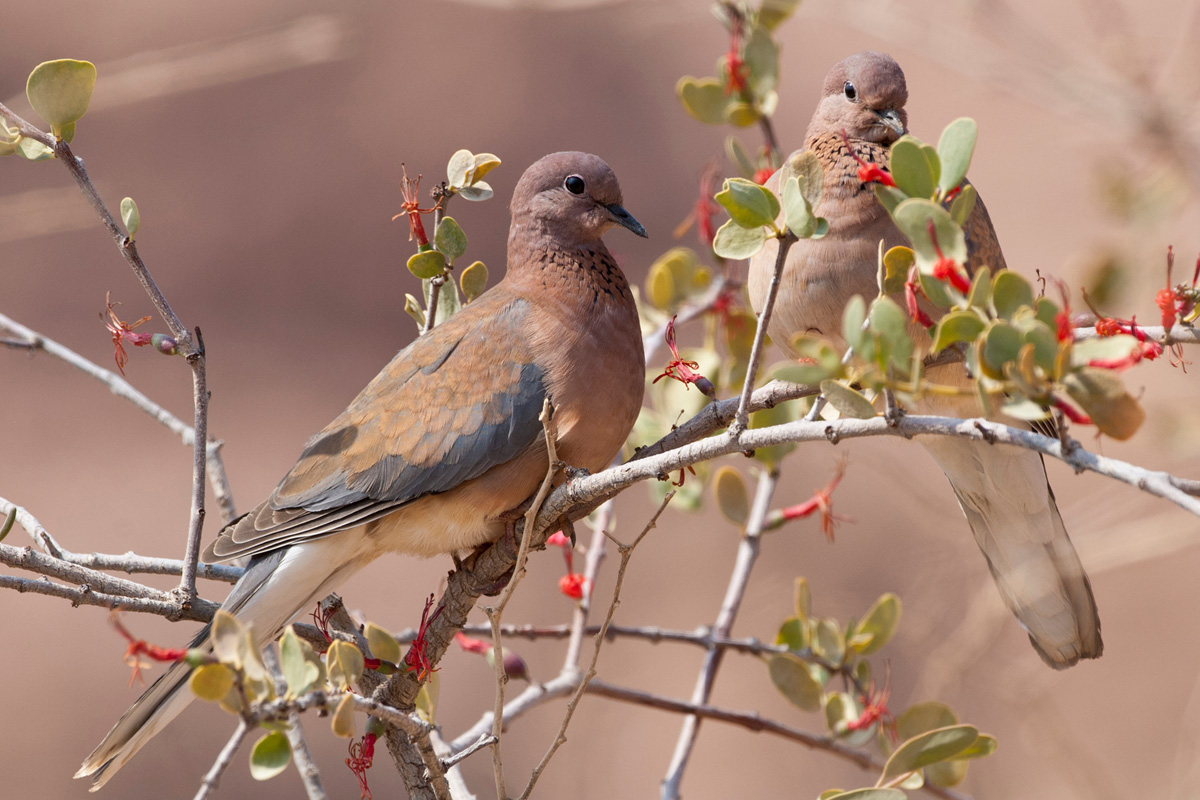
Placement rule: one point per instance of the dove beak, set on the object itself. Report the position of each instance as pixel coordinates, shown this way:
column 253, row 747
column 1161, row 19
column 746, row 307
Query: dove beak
column 891, row 118
column 626, row 220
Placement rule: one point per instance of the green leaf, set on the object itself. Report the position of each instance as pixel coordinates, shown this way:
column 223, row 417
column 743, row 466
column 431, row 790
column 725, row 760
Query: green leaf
column 1010, row 291
column 742, row 115
column 847, row 401
column 880, row 623
column 732, row 498
column 748, row 204
column 807, row 168
column 226, row 636
column 60, row 91
column 735, row 242
column 449, row 239
column 915, row 174
column 1103, row 397
column 1104, row 348
column 33, row 150
column 793, row 634
column 963, row 204
column 897, row 262
column 738, row 331
column 981, row 289
column 412, row 307
column 829, row 641
column 477, row 191
column 458, row 170
column 983, row 746
column 1000, row 345
column 913, row 217
column 827, row 362
column 344, row 663
column 928, row 748
column 660, row 285
column 473, row 280
column 955, row 149
column 427, row 264
column 736, row 153
column 794, row 679
column 761, row 55
column 797, row 214
column 802, row 598
column 924, row 717
column 270, row 756
column 956, row 326
column 934, row 289
column 889, row 197
column 889, row 323
column 211, row 682
column 383, row 645
column 482, row 164
column 130, row 216
column 773, row 12
column 867, row 794
column 299, row 662
column 853, row 317
column 703, row 98
column 342, row 723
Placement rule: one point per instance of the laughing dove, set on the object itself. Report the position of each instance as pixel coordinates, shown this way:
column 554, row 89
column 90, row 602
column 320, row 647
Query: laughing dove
column 446, row 439
column 1002, row 490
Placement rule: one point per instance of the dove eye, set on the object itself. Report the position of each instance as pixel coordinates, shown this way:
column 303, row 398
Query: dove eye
column 574, row 184
column 851, row 92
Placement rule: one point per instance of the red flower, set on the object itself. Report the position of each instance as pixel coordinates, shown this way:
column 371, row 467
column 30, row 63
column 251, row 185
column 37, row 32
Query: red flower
column 123, row 332
column 733, row 59
column 140, row 647
column 574, row 585
column 558, row 539
column 1107, row 326
column 472, row 645
column 1146, row 350
column 912, row 287
column 875, row 709
column 416, row 659
column 947, row 271
column 1167, row 300
column 822, row 500
column 761, row 176
column 684, row 371
column 361, row 755
column 412, row 209
column 868, row 173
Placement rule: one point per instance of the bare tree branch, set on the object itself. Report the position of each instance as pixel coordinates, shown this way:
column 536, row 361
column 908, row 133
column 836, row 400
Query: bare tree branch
column 213, row 776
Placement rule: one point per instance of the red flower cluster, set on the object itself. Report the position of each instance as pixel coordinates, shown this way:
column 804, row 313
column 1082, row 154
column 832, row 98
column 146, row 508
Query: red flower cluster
column 412, row 209
column 822, row 500
column 733, row 59
column 416, row 659
column 573, row 584
column 875, row 709
column 912, row 289
column 361, row 755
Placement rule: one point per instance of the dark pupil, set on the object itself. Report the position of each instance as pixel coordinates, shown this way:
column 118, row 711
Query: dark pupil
column 574, row 184
column 850, row 93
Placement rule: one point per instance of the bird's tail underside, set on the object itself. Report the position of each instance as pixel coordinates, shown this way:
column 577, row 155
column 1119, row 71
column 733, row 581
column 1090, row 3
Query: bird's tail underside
column 1008, row 502
column 275, row 587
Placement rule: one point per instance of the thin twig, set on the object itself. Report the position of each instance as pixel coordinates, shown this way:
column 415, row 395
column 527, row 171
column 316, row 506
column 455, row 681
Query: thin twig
column 742, row 418
column 752, row 721
column 125, row 390
column 626, row 551
column 213, row 776
column 591, row 570
column 747, row 554
column 310, row 776
column 431, row 303
column 494, row 613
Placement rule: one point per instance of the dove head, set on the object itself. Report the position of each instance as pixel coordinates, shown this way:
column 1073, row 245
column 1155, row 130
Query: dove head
column 864, row 95
column 570, row 198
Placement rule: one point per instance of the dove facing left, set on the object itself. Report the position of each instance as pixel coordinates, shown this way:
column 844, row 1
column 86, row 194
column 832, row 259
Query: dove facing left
column 446, row 439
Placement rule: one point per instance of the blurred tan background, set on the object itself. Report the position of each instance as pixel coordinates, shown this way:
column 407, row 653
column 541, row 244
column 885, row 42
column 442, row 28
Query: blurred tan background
column 262, row 140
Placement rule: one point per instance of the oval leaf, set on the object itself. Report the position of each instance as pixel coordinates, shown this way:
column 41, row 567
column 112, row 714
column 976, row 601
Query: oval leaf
column 1104, row 398
column 344, row 663
column 793, row 678
column 450, row 239
column 911, row 168
column 483, row 163
column 735, row 242
column 704, row 99
column 211, row 682
column 479, row 190
column 913, row 217
column 802, row 598
column 748, row 204
column 793, row 634
column 298, row 662
column 458, row 170
column 226, row 636
column 955, row 149
column 473, row 280
column 61, row 90
column 270, row 756
column 427, row 264
column 797, row 213
column 867, row 794
column 342, row 722
column 383, row 645
column 1010, row 291
column 732, row 497
column 928, row 748
column 846, row 400
column 130, row 216
column 880, row 622
column 956, row 326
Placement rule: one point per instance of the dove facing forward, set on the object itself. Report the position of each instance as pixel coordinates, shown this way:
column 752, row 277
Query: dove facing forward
column 1002, row 490
column 446, row 439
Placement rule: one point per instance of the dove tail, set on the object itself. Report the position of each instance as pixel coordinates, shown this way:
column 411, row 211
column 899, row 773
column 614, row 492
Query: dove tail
column 275, row 587
column 1011, row 510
